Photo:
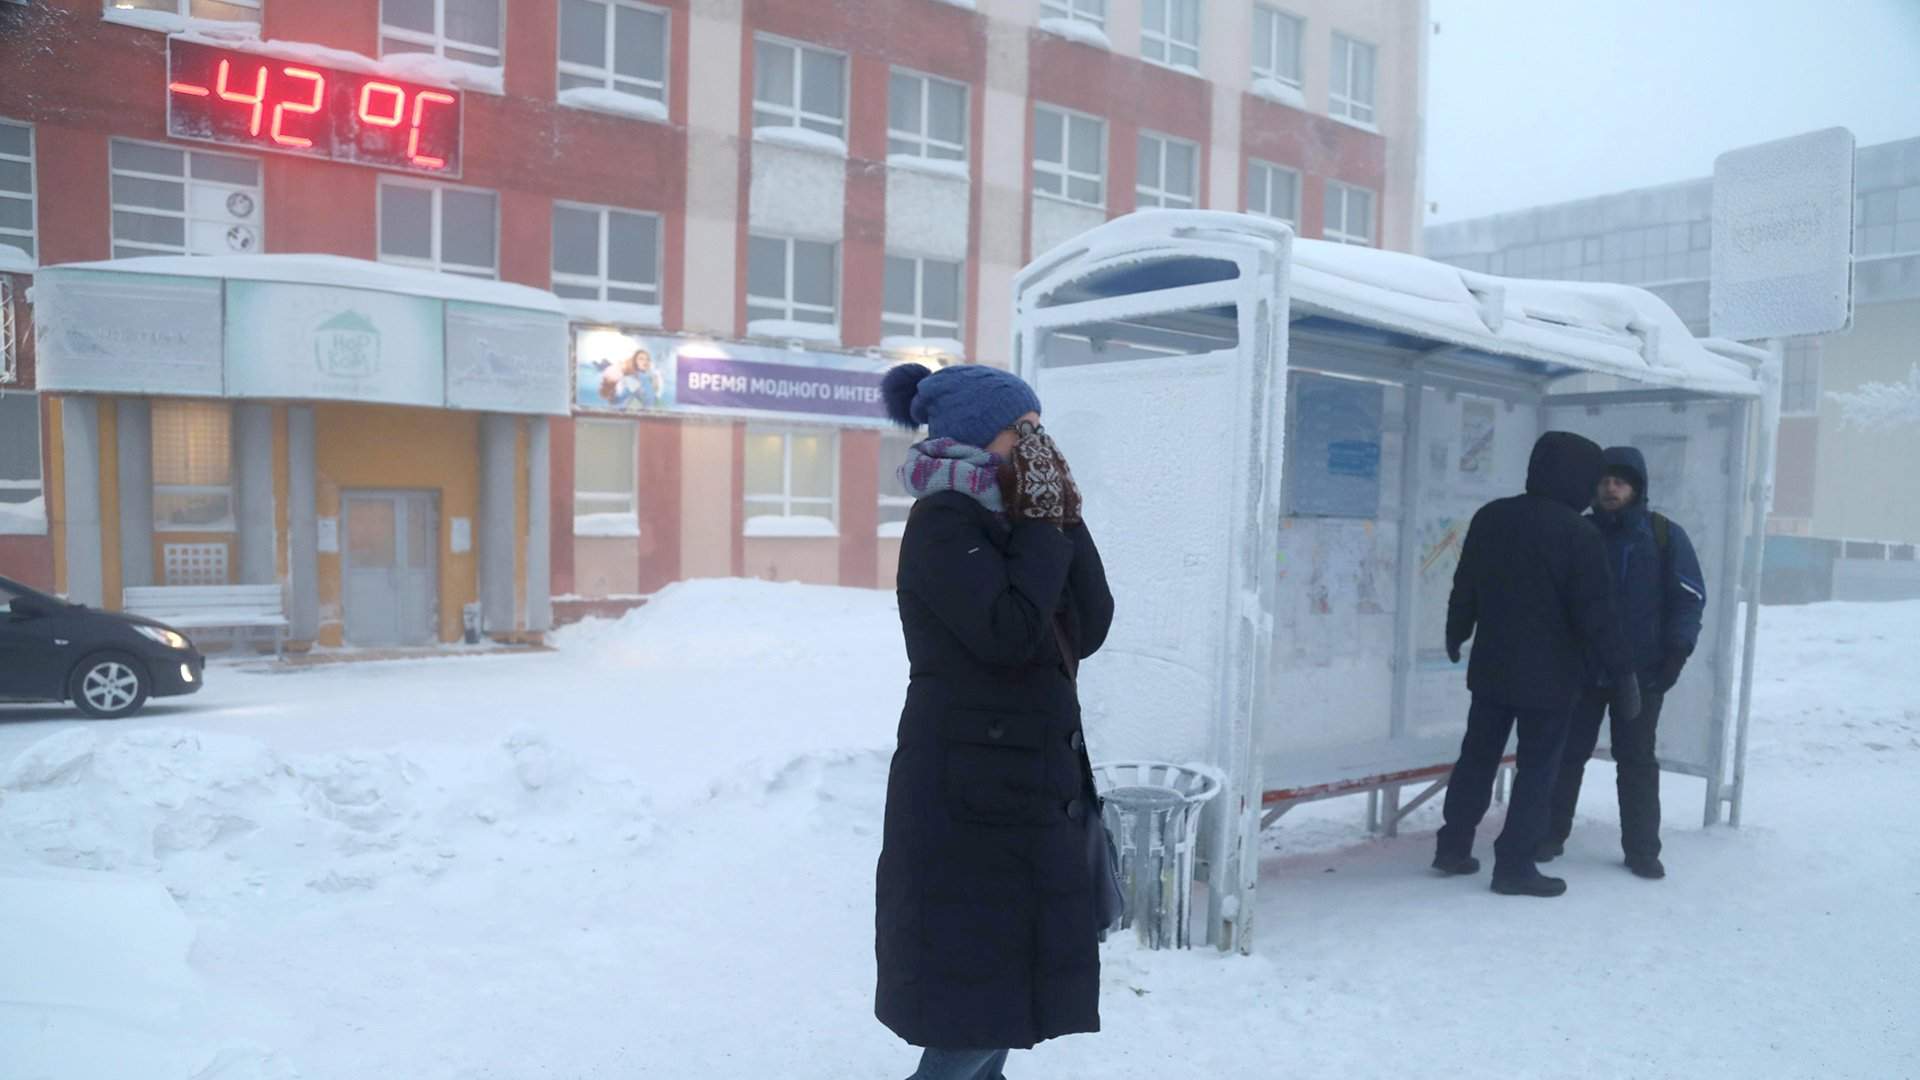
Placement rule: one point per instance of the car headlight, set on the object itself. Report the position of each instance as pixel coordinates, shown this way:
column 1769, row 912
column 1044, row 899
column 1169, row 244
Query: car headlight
column 162, row 636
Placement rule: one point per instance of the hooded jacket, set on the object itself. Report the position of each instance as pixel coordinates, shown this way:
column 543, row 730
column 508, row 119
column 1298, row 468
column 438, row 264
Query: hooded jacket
column 1532, row 588
column 1659, row 596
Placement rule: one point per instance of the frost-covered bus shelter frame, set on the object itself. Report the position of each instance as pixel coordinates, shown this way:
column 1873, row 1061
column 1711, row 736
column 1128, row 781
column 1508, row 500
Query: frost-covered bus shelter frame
column 1213, row 379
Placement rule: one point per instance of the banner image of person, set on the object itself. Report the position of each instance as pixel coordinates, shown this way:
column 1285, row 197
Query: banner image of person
column 624, row 373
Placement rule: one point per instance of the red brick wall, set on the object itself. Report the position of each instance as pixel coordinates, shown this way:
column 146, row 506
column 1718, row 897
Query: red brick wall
column 1320, row 149
column 859, row 508
column 659, row 483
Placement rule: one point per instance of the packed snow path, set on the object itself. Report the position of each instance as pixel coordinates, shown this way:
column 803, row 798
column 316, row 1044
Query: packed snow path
column 650, row 853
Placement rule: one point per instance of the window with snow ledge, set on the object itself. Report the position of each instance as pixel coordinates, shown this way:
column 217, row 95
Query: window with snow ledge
column 1276, row 53
column 799, row 86
column 792, row 482
column 170, row 201
column 1070, row 156
column 793, row 288
column 192, row 447
column 606, row 254
column 1349, row 215
column 896, row 503
column 23, row 508
column 438, row 227
column 1170, row 33
column 926, row 118
column 1090, row 12
column 1078, row 30
column 1351, row 95
column 1273, row 191
column 1169, row 172
column 920, row 299
column 469, row 31
column 174, row 16
column 16, row 191
column 605, row 471
column 613, row 57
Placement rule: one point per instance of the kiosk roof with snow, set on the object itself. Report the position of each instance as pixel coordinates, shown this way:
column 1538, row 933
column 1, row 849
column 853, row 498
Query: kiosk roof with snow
column 1281, row 442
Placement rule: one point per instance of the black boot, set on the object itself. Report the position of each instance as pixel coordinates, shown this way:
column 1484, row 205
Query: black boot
column 1536, row 884
column 1647, row 866
column 1549, row 850
column 1456, row 865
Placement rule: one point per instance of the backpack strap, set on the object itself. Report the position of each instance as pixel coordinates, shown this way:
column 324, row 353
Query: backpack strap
column 1662, row 533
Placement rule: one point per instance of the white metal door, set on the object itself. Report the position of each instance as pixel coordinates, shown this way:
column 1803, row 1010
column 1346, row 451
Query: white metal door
column 390, row 567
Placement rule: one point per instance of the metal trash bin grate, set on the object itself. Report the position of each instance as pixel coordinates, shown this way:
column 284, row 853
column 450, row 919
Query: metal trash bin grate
column 1152, row 810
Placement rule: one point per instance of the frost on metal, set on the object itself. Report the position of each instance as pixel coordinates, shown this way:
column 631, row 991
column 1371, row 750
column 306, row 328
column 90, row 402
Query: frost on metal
column 1882, row 406
column 601, row 99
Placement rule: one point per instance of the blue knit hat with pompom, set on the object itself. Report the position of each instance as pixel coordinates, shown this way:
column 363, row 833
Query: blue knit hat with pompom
column 968, row 403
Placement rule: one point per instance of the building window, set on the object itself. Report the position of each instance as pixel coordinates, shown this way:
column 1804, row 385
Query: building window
column 1093, row 12
column 192, row 467
column 1276, row 45
column 439, row 228
column 1169, row 170
column 1170, row 33
column 605, row 468
column 16, row 187
column 798, row 86
column 600, row 253
column 895, row 502
column 1351, row 95
column 926, row 117
column 613, row 45
column 1349, row 217
column 464, row 30
column 1070, row 156
column 792, row 481
column 1800, row 378
column 184, row 202
column 791, row 281
column 21, row 507
column 227, row 10
column 1273, row 192
column 922, row 298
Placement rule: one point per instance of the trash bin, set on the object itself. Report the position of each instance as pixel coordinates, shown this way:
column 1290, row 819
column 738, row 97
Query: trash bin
column 1152, row 809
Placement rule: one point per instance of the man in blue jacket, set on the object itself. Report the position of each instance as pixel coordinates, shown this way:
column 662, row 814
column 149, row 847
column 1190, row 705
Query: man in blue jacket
column 1659, row 594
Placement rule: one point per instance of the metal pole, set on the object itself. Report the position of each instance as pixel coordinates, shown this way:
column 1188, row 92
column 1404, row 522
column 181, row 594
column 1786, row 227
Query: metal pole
column 1726, row 601
column 1763, row 500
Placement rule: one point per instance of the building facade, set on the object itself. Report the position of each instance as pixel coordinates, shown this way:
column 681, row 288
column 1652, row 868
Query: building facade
column 748, row 208
column 1842, row 497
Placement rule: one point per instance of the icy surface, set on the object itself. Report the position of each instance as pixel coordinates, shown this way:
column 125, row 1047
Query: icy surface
column 24, row 518
column 606, row 525
column 775, row 526
column 802, row 139
column 613, row 101
column 1075, row 30
column 336, row 270
column 1276, row 91
column 427, row 869
column 410, row 67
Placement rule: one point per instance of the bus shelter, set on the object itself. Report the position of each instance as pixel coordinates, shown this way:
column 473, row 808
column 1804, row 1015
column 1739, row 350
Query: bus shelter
column 1281, row 443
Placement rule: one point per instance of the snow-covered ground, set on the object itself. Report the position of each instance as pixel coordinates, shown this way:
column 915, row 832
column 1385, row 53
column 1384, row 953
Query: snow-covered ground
column 650, row 853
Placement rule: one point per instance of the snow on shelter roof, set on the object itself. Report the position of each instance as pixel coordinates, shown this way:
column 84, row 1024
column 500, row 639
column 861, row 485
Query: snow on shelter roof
column 335, row 270
column 1569, row 327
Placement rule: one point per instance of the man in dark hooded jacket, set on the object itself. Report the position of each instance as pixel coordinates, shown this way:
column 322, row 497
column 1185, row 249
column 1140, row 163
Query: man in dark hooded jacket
column 1532, row 592
column 1660, row 596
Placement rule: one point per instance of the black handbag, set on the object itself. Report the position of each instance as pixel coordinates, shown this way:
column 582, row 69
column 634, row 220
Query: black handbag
column 1103, row 857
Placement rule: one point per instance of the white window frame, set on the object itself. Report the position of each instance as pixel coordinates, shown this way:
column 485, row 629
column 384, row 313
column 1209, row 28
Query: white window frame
column 1342, row 101
column 602, row 282
column 796, row 115
column 1809, row 354
column 188, row 183
column 1345, row 191
column 631, row 496
column 1164, row 40
column 438, row 43
column 789, row 306
column 1156, row 193
column 922, row 143
column 1277, row 18
column 435, row 261
column 783, row 504
column 1091, row 12
column 923, row 327
column 607, row 75
column 1063, row 168
column 32, row 232
column 893, row 495
column 231, row 522
column 182, row 8
column 38, row 485
column 1292, row 217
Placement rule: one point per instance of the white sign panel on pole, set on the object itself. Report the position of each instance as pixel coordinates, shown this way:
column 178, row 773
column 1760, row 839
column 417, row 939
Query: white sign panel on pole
column 1783, row 238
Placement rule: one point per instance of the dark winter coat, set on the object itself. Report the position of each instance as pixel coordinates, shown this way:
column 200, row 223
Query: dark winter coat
column 1532, row 589
column 1660, row 596
column 985, row 934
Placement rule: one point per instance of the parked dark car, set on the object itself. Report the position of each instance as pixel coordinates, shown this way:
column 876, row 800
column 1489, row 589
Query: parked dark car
column 105, row 662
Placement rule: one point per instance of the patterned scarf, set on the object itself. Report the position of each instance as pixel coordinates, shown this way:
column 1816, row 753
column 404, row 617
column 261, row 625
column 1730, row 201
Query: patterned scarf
column 947, row 465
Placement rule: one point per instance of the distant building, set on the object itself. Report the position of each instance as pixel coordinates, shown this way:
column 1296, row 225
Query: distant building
column 1850, row 495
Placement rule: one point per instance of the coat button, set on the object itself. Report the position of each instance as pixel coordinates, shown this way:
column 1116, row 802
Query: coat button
column 1077, row 741
column 996, row 730
column 1077, row 811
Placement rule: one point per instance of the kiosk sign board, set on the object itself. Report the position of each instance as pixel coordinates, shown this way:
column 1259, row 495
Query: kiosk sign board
column 1783, row 238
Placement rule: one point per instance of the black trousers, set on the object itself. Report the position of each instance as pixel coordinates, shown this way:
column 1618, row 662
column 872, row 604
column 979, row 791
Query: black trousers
column 1636, row 771
column 1543, row 732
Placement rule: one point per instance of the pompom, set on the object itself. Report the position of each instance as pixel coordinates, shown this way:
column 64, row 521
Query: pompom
column 899, row 387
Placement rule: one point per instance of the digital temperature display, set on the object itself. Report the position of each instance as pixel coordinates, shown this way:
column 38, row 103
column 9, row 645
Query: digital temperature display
column 230, row 96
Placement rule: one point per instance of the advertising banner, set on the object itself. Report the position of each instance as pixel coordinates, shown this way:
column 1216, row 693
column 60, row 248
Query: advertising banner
column 659, row 374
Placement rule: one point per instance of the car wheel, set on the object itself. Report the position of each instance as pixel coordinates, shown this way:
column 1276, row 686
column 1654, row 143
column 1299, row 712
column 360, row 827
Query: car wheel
column 109, row 685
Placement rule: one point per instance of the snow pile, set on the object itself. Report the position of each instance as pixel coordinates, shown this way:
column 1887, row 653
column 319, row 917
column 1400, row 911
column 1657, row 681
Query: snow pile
column 942, row 167
column 617, row 525
column 614, row 101
column 933, row 348
column 1279, row 92
column 171, row 22
column 14, row 260
column 797, row 526
column 24, row 518
column 794, row 330
column 1882, row 406
column 612, row 312
column 800, row 138
column 407, row 67
column 1076, row 30
column 336, row 270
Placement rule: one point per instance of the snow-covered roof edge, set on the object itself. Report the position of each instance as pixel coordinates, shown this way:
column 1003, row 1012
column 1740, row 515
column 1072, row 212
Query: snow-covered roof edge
column 335, row 270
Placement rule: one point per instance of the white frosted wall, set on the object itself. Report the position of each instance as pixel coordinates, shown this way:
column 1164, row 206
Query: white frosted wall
column 797, row 192
column 927, row 214
column 1056, row 222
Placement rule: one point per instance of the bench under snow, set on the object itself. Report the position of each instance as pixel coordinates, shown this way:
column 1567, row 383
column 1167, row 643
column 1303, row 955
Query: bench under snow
column 246, row 610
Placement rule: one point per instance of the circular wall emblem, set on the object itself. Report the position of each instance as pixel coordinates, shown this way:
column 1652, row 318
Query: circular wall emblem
column 240, row 204
column 242, row 238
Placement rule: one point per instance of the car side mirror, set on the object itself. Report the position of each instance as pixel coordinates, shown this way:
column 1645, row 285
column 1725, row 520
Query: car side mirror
column 22, row 608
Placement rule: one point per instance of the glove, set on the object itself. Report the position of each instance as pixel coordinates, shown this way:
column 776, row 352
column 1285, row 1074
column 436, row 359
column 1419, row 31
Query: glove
column 1626, row 700
column 1041, row 486
column 1670, row 669
column 1453, row 650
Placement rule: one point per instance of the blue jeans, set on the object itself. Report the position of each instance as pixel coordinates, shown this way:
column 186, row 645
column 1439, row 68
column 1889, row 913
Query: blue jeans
column 960, row 1065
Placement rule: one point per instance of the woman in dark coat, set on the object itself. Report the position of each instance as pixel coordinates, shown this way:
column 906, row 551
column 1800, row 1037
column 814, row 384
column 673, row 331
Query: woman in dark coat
column 985, row 923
